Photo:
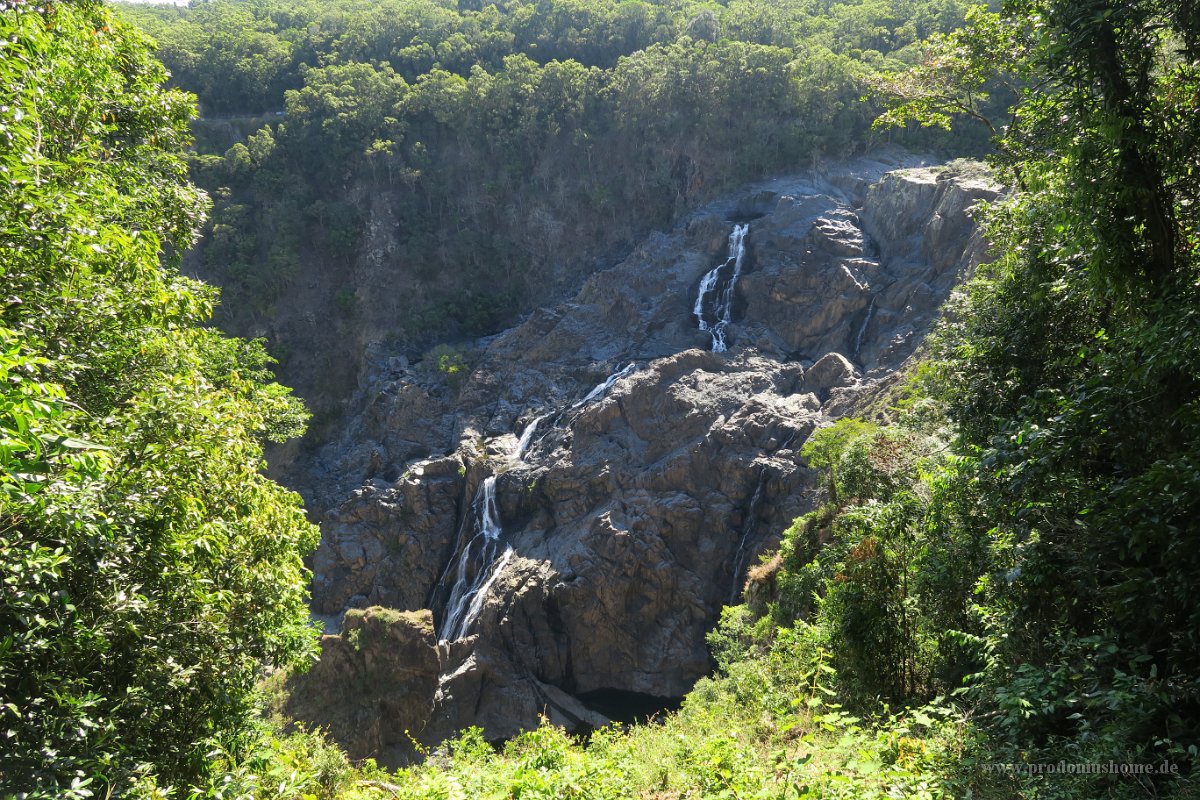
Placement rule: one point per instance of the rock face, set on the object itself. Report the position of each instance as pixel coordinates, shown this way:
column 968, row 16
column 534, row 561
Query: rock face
column 611, row 535
column 373, row 683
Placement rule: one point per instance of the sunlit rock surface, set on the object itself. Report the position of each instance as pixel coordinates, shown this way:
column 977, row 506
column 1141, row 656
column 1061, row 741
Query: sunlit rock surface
column 633, row 516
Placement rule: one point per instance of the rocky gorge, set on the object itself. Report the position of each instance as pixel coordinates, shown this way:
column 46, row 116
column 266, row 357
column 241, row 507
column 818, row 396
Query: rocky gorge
column 549, row 520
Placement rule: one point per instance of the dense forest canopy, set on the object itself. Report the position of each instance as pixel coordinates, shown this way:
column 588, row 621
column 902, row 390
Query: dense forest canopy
column 1063, row 516
column 1004, row 575
column 240, row 57
column 495, row 152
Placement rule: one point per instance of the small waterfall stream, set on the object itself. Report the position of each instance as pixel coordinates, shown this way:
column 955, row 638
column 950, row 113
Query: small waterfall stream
column 747, row 530
column 518, row 453
column 863, row 330
column 605, row 385
column 470, row 590
column 466, row 599
column 714, row 300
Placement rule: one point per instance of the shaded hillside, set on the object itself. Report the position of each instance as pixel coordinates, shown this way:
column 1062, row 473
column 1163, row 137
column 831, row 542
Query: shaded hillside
column 437, row 170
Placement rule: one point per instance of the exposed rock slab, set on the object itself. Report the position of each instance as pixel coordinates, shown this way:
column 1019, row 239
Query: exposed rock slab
column 633, row 515
column 373, row 687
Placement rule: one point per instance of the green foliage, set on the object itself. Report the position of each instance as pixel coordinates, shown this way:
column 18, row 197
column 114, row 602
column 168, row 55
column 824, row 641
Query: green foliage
column 886, row 572
column 829, row 447
column 1036, row 557
column 448, row 363
column 299, row 765
column 346, row 106
column 150, row 570
column 1070, row 368
column 956, row 75
column 346, row 300
column 481, row 158
column 724, row 743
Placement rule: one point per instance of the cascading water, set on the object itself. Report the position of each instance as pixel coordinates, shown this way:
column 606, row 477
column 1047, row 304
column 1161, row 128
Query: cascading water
column 714, row 302
column 863, row 330
column 518, row 453
column 478, row 596
column 466, row 600
column 747, row 531
column 605, row 385
column 470, row 590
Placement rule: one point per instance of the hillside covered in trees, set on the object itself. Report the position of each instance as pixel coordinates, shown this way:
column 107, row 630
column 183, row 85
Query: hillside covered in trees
column 415, row 172
column 995, row 594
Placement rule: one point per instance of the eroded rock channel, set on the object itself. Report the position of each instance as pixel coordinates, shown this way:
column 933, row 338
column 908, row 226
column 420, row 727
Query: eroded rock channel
column 566, row 523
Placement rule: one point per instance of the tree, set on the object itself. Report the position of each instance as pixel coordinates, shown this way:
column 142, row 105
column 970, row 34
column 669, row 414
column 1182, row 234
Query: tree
column 150, row 570
column 1073, row 371
column 828, row 448
column 512, row 145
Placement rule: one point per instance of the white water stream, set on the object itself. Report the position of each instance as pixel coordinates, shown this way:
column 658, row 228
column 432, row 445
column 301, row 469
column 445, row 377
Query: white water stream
column 714, row 301
column 714, row 312
column 747, row 530
column 470, row 591
column 605, row 385
column 863, row 330
column 466, row 600
column 518, row 453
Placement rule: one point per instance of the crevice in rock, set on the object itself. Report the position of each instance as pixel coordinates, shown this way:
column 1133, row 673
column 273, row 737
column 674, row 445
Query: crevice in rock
column 749, row 524
column 436, row 599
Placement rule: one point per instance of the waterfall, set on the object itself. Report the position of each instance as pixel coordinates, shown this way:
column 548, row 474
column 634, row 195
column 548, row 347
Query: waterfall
column 605, row 385
column 714, row 301
column 481, row 593
column 466, row 600
column 518, row 453
column 525, row 441
column 747, row 530
column 863, row 330
column 470, row 589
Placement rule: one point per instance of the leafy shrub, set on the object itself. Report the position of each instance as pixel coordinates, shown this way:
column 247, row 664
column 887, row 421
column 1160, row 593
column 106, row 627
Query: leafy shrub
column 450, row 364
column 150, row 569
